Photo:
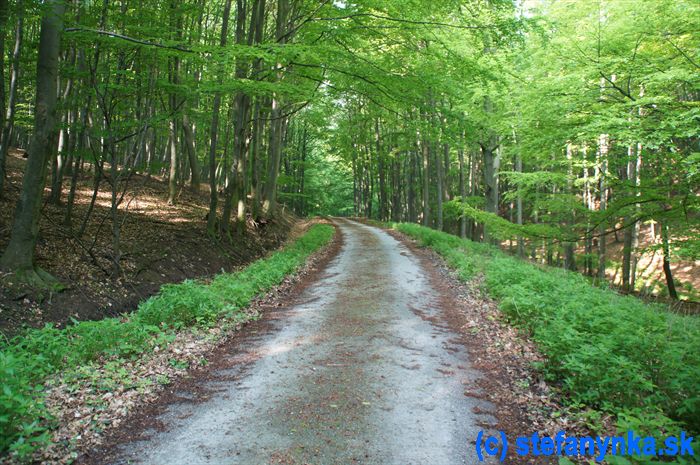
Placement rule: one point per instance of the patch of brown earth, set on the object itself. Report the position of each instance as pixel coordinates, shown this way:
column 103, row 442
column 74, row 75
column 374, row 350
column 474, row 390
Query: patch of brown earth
column 160, row 244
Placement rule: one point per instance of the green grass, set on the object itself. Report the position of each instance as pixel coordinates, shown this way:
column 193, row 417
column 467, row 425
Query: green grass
column 29, row 359
column 609, row 352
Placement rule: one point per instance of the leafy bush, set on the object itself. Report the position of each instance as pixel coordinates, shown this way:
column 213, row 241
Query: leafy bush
column 27, row 360
column 607, row 351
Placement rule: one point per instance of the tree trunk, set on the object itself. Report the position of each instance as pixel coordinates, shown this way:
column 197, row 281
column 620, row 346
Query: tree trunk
column 381, row 172
column 396, row 190
column 569, row 247
column 214, row 131
column 19, row 255
column 590, row 205
column 276, row 121
column 440, row 186
column 97, row 179
column 176, row 27
column 369, row 184
column 242, row 106
column 172, row 170
column 9, row 116
column 603, row 163
column 492, row 161
column 191, row 152
column 302, row 173
column 630, row 226
column 4, row 9
column 255, row 160
column 446, row 174
column 638, row 207
column 462, row 192
column 411, row 194
column 519, row 208
column 75, row 173
column 239, row 153
column 667, row 263
column 60, row 153
column 472, row 190
column 255, row 35
column 273, row 159
column 425, row 150
column 355, row 185
column 115, row 175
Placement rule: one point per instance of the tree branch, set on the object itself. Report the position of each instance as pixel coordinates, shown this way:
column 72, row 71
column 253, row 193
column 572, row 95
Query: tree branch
column 129, row 39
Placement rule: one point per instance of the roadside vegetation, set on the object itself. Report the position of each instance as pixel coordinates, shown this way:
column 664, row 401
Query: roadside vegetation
column 145, row 142
column 28, row 360
column 608, row 353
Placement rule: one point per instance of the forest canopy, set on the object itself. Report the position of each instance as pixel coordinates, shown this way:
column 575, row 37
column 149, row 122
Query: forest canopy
column 151, row 148
column 549, row 125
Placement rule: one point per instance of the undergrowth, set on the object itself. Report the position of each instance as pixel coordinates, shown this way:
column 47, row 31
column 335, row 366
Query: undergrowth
column 29, row 359
column 607, row 352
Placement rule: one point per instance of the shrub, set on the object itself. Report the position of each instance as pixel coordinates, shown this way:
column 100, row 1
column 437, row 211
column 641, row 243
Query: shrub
column 607, row 351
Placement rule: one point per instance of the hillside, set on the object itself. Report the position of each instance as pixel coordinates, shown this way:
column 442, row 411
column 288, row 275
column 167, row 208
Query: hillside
column 160, row 244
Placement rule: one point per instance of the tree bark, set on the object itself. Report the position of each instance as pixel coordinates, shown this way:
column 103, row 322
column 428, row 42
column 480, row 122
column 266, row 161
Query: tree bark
column 4, row 9
column 396, row 190
column 242, row 105
column 195, row 177
column 440, row 187
column 411, row 194
column 462, row 192
column 19, row 255
column 492, row 161
column 276, row 121
column 569, row 247
column 214, row 130
column 425, row 150
column 172, row 155
column 667, row 263
column 77, row 158
column 255, row 161
column 256, row 153
column 519, row 208
column 176, row 27
column 630, row 176
column 9, row 115
column 381, row 172
column 603, row 163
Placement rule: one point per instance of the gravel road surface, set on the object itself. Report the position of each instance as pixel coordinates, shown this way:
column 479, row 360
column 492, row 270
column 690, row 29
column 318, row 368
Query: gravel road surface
column 361, row 370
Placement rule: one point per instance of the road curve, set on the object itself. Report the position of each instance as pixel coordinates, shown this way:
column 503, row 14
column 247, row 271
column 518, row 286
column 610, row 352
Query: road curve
column 358, row 372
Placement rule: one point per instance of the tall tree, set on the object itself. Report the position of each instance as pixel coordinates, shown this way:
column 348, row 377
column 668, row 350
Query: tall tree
column 19, row 255
column 9, row 115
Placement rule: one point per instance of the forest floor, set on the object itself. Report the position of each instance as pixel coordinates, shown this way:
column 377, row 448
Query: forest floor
column 651, row 281
column 160, row 244
column 383, row 339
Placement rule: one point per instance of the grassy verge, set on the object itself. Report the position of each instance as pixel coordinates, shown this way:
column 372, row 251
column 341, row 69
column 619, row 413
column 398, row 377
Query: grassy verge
column 612, row 353
column 28, row 360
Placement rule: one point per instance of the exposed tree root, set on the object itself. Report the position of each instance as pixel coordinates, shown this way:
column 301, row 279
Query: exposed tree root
column 35, row 278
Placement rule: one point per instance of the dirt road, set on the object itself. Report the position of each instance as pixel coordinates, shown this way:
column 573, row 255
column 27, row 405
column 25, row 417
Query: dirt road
column 360, row 370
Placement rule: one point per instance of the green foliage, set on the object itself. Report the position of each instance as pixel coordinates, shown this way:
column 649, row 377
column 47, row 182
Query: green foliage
column 607, row 351
column 27, row 360
column 501, row 228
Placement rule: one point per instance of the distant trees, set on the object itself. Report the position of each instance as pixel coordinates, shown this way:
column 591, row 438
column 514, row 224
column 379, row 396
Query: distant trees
column 559, row 131
column 549, row 130
column 168, row 89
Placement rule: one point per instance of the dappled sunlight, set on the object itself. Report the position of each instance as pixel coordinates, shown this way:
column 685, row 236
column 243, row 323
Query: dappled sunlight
column 183, row 160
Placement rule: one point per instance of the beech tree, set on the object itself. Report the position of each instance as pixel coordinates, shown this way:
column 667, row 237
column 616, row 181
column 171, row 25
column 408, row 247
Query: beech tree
column 19, row 254
column 549, row 130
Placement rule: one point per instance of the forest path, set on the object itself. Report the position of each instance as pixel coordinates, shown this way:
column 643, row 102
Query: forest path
column 361, row 369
